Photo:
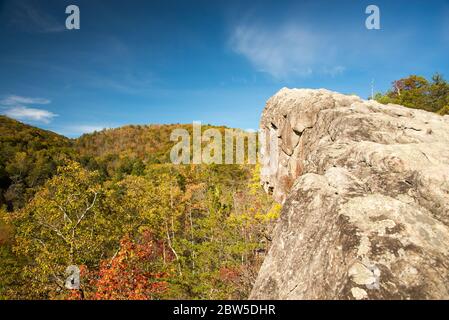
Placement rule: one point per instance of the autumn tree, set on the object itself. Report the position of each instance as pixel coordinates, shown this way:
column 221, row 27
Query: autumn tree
column 133, row 273
column 67, row 223
column 222, row 237
column 419, row 93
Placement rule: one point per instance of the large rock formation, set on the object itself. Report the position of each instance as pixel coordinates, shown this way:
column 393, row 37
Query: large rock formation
column 365, row 188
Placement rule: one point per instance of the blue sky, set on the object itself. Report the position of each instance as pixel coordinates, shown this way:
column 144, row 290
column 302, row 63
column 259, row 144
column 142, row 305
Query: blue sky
column 141, row 62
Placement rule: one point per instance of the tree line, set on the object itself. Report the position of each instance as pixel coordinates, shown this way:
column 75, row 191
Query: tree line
column 419, row 93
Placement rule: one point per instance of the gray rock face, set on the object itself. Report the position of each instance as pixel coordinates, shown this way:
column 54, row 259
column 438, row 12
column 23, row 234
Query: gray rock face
column 365, row 188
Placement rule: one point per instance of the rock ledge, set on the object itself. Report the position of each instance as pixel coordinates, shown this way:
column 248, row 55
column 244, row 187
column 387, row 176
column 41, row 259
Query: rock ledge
column 365, row 188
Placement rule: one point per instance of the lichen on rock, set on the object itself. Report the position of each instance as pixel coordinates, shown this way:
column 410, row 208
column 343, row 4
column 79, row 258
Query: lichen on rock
column 365, row 188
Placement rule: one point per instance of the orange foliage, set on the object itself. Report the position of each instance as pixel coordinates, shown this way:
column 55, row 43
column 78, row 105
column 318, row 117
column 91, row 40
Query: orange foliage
column 125, row 277
column 230, row 274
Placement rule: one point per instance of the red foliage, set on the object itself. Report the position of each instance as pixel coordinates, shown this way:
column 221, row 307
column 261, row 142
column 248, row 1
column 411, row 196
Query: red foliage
column 230, row 274
column 126, row 276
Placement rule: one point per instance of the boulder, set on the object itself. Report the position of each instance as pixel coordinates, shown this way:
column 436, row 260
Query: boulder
column 365, row 194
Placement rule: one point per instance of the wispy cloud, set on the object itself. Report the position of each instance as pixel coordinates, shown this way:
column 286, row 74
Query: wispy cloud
column 16, row 107
column 28, row 16
column 26, row 113
column 333, row 71
column 17, row 100
column 289, row 50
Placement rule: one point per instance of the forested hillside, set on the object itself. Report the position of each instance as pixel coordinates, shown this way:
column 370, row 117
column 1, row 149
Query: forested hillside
column 146, row 142
column 137, row 226
column 28, row 156
column 124, row 150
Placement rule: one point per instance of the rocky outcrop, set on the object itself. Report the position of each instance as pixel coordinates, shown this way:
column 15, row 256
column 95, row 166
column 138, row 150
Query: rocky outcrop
column 365, row 188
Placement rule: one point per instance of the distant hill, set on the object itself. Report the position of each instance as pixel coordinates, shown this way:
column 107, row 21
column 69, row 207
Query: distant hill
column 149, row 143
column 28, row 156
column 127, row 150
column 17, row 133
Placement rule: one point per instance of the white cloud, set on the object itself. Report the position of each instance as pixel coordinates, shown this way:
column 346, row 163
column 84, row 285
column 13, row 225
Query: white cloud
column 18, row 100
column 26, row 113
column 286, row 51
column 15, row 107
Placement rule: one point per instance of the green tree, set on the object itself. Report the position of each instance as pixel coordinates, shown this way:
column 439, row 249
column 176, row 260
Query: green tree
column 418, row 93
column 67, row 223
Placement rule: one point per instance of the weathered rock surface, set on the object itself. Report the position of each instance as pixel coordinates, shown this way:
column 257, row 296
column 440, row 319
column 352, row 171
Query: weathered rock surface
column 365, row 188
